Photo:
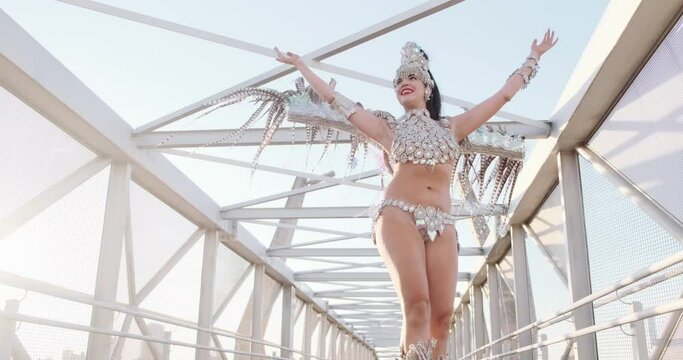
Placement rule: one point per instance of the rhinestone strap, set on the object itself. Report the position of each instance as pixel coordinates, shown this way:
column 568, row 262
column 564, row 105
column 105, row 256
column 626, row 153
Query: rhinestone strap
column 429, row 218
column 420, row 351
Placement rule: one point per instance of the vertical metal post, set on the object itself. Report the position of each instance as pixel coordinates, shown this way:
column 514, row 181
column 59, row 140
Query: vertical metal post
column 287, row 331
column 522, row 292
column 257, row 310
column 322, row 335
column 458, row 336
column 206, row 293
column 309, row 326
column 544, row 350
column 494, row 306
column 111, row 248
column 342, row 345
column 7, row 328
column 577, row 250
column 333, row 342
column 479, row 324
column 638, row 331
column 466, row 329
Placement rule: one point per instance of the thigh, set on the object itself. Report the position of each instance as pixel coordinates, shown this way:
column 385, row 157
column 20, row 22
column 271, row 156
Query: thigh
column 403, row 252
column 442, row 270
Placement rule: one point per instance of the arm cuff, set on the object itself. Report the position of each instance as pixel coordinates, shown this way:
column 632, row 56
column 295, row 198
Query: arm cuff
column 343, row 105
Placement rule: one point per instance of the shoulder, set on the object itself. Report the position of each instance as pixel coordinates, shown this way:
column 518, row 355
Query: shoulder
column 386, row 116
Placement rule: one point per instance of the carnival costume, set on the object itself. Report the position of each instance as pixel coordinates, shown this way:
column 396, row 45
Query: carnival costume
column 488, row 160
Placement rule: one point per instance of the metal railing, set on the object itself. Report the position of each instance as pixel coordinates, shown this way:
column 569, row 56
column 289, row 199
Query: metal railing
column 39, row 287
column 614, row 288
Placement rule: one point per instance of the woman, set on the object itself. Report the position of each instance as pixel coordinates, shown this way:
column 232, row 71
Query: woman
column 413, row 228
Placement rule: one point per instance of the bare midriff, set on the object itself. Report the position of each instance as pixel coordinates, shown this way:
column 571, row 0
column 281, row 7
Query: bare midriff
column 418, row 184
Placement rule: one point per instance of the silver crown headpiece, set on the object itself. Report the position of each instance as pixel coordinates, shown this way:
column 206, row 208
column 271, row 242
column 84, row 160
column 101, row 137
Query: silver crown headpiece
column 414, row 62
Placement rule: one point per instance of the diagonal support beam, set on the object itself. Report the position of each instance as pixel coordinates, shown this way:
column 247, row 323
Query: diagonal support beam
column 272, row 169
column 395, row 22
column 302, row 190
column 167, row 267
column 40, row 202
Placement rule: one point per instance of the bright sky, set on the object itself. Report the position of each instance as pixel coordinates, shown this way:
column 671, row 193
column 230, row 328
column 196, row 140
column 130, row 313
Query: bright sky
column 144, row 73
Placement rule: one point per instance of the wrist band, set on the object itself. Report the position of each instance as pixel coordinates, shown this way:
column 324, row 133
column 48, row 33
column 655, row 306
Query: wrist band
column 343, row 105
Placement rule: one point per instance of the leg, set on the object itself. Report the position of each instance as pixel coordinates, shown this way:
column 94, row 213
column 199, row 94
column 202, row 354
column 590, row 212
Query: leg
column 403, row 251
column 442, row 272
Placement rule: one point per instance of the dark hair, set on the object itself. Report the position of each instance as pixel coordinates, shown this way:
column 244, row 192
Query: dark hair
column 434, row 102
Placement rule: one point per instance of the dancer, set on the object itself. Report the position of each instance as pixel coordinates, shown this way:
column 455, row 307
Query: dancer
column 413, row 228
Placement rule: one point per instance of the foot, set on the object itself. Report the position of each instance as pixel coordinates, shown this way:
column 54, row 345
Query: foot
column 420, row 351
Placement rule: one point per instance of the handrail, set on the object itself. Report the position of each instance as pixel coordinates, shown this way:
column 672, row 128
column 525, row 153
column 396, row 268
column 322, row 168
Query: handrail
column 675, row 305
column 553, row 318
column 66, row 325
column 51, row 290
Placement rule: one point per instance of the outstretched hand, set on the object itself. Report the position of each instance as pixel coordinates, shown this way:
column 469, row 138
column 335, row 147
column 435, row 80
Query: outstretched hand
column 287, row 58
column 548, row 42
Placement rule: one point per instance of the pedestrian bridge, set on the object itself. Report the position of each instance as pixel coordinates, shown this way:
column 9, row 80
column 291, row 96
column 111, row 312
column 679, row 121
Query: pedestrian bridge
column 124, row 236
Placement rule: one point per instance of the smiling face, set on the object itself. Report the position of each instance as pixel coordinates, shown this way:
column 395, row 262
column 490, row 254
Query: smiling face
column 410, row 92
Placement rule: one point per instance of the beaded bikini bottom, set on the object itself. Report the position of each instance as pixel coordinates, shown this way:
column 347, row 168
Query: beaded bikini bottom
column 430, row 220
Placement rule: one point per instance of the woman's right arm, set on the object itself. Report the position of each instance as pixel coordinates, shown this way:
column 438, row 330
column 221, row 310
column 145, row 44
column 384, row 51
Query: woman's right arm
column 366, row 122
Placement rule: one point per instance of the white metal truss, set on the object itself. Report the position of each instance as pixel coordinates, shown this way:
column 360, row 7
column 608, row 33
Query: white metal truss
column 359, row 307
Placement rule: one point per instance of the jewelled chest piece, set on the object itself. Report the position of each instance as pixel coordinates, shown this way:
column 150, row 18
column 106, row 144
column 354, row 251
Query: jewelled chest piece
column 421, row 140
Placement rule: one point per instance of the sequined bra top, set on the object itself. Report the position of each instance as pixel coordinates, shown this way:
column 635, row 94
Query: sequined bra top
column 421, row 140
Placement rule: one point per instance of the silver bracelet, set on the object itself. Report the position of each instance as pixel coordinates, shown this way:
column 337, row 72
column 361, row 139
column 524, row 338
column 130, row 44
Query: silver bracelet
column 343, row 105
column 526, row 78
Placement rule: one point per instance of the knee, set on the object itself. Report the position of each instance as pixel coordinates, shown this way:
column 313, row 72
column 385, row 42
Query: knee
column 441, row 318
column 417, row 311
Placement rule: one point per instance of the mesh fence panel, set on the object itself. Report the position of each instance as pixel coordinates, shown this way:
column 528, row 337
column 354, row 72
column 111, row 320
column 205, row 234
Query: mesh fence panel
column 549, row 294
column 621, row 240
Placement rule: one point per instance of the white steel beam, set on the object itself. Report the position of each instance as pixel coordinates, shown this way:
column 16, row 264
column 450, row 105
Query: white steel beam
column 40, row 202
column 466, row 328
column 624, row 39
column 458, row 335
column 494, row 306
column 232, row 293
column 273, row 169
column 479, row 324
column 365, row 235
column 111, row 248
column 356, row 276
column 577, row 250
column 646, row 203
column 287, row 324
column 309, row 327
column 354, row 252
column 42, row 82
column 353, row 40
column 354, row 294
column 257, row 311
column 206, row 294
column 283, row 136
column 330, row 212
column 166, row 268
column 7, row 330
column 365, row 306
column 322, row 335
column 302, row 190
column 522, row 289
column 546, row 254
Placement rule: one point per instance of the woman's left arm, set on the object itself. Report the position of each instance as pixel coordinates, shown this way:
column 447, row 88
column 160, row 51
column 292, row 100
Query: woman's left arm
column 465, row 123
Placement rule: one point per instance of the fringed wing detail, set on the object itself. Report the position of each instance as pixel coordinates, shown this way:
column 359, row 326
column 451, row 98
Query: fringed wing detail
column 491, row 161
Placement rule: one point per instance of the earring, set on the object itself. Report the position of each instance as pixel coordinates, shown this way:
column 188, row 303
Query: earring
column 428, row 94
